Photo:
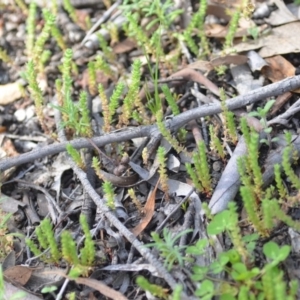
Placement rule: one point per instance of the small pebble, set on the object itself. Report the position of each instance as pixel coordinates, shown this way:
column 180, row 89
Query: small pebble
column 20, row 115
column 217, row 166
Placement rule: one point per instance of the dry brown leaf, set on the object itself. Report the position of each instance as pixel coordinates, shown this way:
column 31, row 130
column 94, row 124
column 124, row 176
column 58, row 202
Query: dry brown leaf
column 218, row 11
column 229, row 59
column 281, row 40
column 9, row 148
column 18, row 274
column 10, row 92
column 202, row 65
column 93, row 283
column 124, row 46
column 219, row 31
column 101, row 288
column 206, row 66
column 278, row 68
column 282, row 15
column 280, row 101
column 148, row 211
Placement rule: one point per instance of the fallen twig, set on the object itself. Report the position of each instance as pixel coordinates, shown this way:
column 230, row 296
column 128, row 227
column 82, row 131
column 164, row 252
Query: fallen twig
column 173, row 124
column 82, row 176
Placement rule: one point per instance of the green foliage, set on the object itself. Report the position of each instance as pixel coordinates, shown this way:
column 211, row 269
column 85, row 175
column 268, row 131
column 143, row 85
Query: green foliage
column 175, row 109
column 67, row 5
column 4, row 57
column 46, row 55
column 166, row 133
column 6, row 238
column 135, row 200
column 48, row 289
column 103, row 66
column 170, row 99
column 279, row 184
column 221, row 70
column 114, row 99
column 76, row 156
column 162, row 170
column 105, row 109
column 67, row 248
column 36, row 93
column 56, row 33
column 22, row 5
column 168, row 248
column 230, row 132
column 242, row 279
column 135, row 31
column 177, row 292
column 215, row 143
column 286, row 164
column 54, row 7
column 76, row 117
column 252, row 209
column 262, row 114
column 197, row 22
column 30, row 28
column 233, row 25
column 132, row 95
column 159, row 12
column 92, row 77
column 46, row 238
column 201, row 174
column 109, row 195
column 88, row 252
column 254, row 32
column 44, row 36
column 85, row 121
column 154, row 289
column 249, row 168
column 107, row 51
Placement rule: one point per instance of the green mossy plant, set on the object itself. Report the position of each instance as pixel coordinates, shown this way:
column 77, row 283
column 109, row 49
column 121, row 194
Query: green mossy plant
column 109, row 195
column 67, row 5
column 200, row 174
column 36, row 94
column 162, row 170
column 215, row 143
column 75, row 116
column 64, row 247
column 76, row 156
column 230, row 131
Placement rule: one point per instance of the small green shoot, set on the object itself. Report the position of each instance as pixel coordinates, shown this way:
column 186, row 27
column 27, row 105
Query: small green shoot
column 262, row 113
column 168, row 248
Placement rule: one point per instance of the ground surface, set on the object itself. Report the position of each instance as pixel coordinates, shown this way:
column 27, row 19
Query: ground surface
column 145, row 154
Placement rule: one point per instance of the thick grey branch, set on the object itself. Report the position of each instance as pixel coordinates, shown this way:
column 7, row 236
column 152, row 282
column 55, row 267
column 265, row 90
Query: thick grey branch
column 271, row 90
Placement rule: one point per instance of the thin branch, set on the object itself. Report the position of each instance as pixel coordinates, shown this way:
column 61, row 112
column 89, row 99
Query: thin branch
column 82, row 176
column 274, row 89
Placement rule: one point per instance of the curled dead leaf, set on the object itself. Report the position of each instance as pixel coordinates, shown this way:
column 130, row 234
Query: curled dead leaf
column 148, row 213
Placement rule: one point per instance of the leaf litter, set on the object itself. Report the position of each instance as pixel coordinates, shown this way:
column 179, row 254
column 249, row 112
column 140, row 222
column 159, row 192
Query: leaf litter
column 52, row 189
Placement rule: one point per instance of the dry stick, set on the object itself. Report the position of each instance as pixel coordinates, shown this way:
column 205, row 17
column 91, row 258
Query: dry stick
column 173, row 124
column 104, row 17
column 82, row 176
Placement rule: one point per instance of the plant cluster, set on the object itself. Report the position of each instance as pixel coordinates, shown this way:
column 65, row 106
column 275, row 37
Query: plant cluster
column 244, row 279
column 201, row 174
column 64, row 247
